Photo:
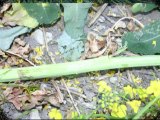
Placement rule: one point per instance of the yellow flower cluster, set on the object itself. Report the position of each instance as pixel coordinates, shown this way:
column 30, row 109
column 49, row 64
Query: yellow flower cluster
column 154, row 88
column 135, row 104
column 55, row 114
column 110, row 100
column 118, row 110
column 103, row 87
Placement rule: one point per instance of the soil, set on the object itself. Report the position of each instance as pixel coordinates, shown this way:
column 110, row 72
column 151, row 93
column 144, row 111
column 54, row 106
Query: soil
column 87, row 81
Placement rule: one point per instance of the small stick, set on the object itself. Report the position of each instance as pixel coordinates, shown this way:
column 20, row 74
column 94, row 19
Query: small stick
column 134, row 19
column 73, row 92
column 97, row 14
column 129, row 76
column 75, row 105
column 46, row 45
column 31, row 63
column 58, row 91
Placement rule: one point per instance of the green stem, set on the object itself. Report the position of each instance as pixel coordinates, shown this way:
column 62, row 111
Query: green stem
column 77, row 67
column 143, row 111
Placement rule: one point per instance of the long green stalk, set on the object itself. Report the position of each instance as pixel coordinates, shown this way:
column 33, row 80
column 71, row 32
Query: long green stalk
column 143, row 111
column 61, row 69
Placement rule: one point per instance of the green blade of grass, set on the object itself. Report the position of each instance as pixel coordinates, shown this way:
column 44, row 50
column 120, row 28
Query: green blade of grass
column 77, row 67
column 142, row 112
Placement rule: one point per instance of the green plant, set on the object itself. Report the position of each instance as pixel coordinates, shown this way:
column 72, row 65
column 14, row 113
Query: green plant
column 126, row 104
column 145, row 41
column 143, row 7
column 77, row 67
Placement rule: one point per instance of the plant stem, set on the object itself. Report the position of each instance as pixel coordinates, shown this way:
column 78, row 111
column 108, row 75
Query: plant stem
column 147, row 107
column 77, row 67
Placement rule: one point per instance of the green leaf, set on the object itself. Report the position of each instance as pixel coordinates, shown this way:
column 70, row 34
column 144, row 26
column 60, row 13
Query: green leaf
column 7, row 36
column 146, row 41
column 33, row 14
column 71, row 42
column 143, row 7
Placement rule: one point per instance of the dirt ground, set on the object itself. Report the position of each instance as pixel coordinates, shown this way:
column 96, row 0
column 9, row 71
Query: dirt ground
column 85, row 90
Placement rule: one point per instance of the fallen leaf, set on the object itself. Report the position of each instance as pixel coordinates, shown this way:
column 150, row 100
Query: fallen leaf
column 53, row 101
column 99, row 53
column 112, row 48
column 7, row 91
column 93, row 46
column 131, row 26
column 16, row 102
column 39, row 92
column 20, row 42
column 8, row 35
column 95, row 42
column 5, row 7
column 25, row 14
column 17, row 91
column 2, row 53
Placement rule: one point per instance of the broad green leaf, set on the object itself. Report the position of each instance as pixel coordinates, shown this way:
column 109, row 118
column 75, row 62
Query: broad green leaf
column 7, row 36
column 146, row 41
column 33, row 14
column 71, row 42
column 143, row 7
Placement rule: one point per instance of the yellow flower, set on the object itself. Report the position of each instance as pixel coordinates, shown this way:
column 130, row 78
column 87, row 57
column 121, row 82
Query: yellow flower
column 103, row 87
column 55, row 114
column 118, row 111
column 135, row 104
column 154, row 88
column 39, row 51
column 154, row 42
column 129, row 90
column 136, row 79
column 142, row 93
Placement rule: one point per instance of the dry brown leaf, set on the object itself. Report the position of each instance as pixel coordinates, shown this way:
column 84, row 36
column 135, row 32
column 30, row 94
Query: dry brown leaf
column 53, row 100
column 5, row 7
column 131, row 26
column 95, row 42
column 16, row 102
column 2, row 53
column 11, row 61
column 99, row 53
column 39, row 92
column 7, row 91
column 20, row 42
column 93, row 45
column 20, row 50
column 112, row 47
column 17, row 91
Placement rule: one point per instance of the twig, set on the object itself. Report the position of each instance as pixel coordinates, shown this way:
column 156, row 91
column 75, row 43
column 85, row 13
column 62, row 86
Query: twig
column 9, row 52
column 134, row 19
column 75, row 105
column 129, row 76
column 97, row 14
column 124, row 14
column 60, row 97
column 73, row 92
column 46, row 45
